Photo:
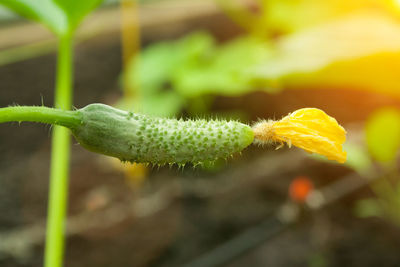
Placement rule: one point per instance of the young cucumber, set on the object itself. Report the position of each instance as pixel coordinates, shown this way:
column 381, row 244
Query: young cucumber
column 140, row 138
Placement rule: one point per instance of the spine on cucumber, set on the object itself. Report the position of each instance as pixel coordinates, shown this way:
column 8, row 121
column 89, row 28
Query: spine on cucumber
column 140, row 138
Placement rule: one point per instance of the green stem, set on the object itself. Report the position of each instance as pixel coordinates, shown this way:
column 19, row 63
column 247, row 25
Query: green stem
column 66, row 118
column 59, row 169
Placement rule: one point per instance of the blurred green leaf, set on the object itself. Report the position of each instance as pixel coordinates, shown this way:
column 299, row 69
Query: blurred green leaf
column 342, row 52
column 44, row 11
column 383, row 134
column 166, row 104
column 195, row 67
column 368, row 208
column 387, row 201
column 357, row 157
column 225, row 72
column 60, row 16
column 152, row 70
column 152, row 73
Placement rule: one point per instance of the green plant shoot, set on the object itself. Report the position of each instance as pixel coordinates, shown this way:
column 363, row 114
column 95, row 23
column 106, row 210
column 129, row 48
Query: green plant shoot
column 62, row 17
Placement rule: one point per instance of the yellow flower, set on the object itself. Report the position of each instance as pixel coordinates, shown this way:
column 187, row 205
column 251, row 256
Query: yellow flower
column 309, row 128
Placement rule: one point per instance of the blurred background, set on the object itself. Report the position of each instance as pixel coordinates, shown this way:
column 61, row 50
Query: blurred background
column 235, row 59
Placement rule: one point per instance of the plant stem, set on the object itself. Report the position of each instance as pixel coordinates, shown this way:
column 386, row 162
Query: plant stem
column 59, row 169
column 47, row 115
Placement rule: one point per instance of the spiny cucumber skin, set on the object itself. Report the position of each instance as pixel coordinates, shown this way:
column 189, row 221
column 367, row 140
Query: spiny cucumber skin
column 144, row 139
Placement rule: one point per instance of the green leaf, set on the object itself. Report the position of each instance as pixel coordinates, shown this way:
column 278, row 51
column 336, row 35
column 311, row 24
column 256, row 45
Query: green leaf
column 166, row 104
column 76, row 10
column 195, row 67
column 225, row 71
column 152, row 73
column 60, row 16
column 155, row 66
column 383, row 134
column 43, row 11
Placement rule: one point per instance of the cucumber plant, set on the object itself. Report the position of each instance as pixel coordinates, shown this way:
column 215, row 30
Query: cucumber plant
column 141, row 138
column 62, row 17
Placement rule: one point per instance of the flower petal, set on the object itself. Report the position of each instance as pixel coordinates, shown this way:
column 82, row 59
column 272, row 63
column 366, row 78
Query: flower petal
column 314, row 131
column 310, row 129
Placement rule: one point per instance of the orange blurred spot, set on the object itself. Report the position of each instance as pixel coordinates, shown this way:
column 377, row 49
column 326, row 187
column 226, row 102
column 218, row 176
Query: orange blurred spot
column 300, row 188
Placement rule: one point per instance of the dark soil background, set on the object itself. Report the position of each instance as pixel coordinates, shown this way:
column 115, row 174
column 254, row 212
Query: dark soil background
column 175, row 217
